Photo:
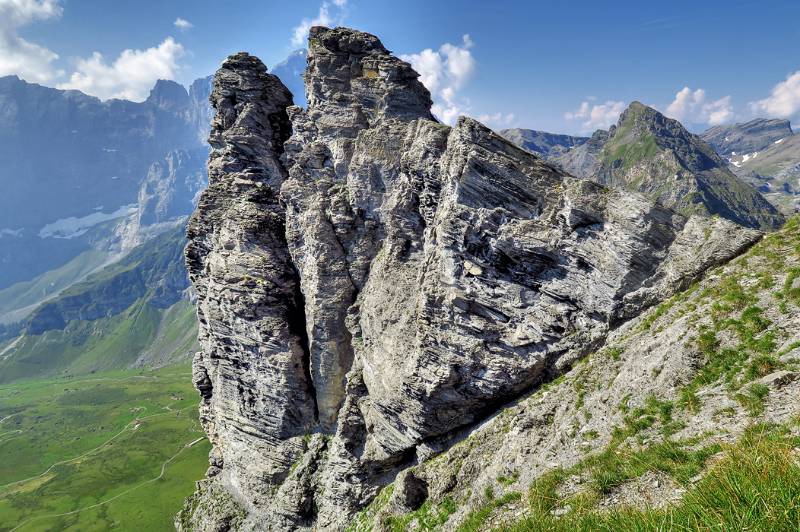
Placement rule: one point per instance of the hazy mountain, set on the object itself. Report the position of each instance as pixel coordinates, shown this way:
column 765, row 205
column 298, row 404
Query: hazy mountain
column 766, row 154
column 133, row 312
column 650, row 153
column 290, row 71
column 540, row 142
column 70, row 164
column 749, row 137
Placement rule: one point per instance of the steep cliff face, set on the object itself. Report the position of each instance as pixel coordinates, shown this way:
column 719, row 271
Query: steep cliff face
column 371, row 281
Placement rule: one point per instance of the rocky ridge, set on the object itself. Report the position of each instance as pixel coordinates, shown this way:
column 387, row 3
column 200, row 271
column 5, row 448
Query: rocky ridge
column 371, row 283
column 637, row 423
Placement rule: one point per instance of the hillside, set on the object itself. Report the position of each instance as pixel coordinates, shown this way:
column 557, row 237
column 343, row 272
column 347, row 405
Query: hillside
column 686, row 417
column 649, row 153
column 133, row 312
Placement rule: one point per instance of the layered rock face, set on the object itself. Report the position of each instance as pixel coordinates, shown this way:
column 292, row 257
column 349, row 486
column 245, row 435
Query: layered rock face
column 370, row 281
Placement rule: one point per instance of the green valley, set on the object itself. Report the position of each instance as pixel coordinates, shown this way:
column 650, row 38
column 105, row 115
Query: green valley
column 114, row 450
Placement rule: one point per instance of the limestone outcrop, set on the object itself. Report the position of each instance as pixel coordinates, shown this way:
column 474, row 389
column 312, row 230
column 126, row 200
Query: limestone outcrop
column 371, row 282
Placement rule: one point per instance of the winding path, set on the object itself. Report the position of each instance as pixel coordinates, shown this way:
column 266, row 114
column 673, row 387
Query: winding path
column 117, row 496
column 91, row 451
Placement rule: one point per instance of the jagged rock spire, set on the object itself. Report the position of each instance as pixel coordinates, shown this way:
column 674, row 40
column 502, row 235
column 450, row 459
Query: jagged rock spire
column 352, row 80
column 253, row 370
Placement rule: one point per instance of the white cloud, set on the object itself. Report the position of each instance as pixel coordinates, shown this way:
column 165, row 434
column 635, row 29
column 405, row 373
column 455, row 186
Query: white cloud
column 784, row 99
column 692, row 106
column 183, row 24
column 497, row 119
column 596, row 116
column 325, row 17
column 130, row 76
column 444, row 72
column 18, row 56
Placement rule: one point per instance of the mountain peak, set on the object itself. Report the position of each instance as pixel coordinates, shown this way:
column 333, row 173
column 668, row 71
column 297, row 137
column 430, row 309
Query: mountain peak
column 352, row 76
column 168, row 94
column 650, row 153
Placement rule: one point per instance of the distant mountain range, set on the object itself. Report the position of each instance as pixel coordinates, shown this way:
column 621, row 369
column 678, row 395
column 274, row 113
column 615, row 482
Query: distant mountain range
column 545, row 144
column 766, row 154
column 650, row 153
column 72, row 164
column 92, row 230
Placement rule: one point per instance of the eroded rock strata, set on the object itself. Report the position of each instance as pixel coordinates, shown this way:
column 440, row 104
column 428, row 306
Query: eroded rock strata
column 371, row 281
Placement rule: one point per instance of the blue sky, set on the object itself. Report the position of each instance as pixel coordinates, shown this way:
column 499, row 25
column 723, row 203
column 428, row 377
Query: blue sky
column 558, row 66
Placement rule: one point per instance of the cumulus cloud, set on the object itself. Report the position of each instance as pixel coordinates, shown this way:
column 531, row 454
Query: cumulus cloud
column 596, row 116
column 329, row 14
column 497, row 119
column 444, row 72
column 18, row 56
column 784, row 99
column 183, row 24
column 693, row 107
column 130, row 76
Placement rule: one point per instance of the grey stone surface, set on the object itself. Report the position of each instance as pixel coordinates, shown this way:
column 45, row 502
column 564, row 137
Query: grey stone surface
column 371, row 282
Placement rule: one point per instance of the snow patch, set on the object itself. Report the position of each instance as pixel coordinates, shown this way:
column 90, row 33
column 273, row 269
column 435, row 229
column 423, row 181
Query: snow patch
column 73, row 227
column 779, row 141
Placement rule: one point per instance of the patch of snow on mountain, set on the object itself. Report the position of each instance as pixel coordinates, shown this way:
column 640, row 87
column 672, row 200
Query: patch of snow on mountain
column 73, row 227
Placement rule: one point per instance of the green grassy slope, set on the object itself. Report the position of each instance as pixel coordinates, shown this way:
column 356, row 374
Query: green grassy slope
column 18, row 300
column 93, row 449
column 756, row 486
column 133, row 312
column 163, row 335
